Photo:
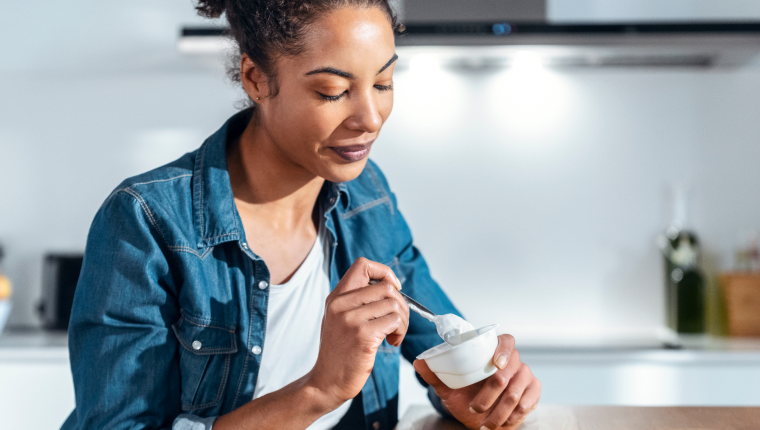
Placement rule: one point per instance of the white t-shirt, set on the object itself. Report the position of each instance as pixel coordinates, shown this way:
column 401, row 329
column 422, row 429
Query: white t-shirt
column 294, row 323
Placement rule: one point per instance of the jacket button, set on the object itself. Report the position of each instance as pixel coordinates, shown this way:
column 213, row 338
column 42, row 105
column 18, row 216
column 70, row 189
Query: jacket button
column 263, row 285
column 197, row 345
column 256, row 350
column 376, row 425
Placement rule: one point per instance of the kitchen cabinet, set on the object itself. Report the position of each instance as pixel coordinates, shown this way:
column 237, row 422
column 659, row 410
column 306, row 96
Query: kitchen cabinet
column 705, row 372
column 36, row 390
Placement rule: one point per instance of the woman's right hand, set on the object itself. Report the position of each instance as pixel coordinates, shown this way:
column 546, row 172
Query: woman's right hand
column 358, row 316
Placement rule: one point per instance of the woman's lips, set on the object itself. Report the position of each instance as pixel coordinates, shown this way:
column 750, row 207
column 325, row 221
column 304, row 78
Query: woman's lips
column 352, row 152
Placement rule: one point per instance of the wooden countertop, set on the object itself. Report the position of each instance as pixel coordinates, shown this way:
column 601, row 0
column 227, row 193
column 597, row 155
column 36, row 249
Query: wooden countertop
column 550, row 417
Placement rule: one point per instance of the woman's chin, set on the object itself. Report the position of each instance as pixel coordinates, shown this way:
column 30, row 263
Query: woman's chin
column 344, row 172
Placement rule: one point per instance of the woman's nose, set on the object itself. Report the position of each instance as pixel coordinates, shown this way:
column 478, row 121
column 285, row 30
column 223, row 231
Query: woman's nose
column 366, row 114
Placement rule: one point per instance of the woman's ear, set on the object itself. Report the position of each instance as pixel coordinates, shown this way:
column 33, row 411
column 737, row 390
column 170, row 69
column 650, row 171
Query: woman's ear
column 255, row 82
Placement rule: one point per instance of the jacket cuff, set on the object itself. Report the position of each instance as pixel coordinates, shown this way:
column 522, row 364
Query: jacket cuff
column 193, row 422
column 438, row 403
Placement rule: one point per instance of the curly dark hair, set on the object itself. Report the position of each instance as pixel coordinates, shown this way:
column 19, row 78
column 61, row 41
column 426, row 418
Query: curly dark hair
column 267, row 29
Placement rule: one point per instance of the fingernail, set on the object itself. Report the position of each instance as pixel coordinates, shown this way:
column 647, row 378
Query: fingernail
column 398, row 283
column 484, row 428
column 473, row 410
column 501, row 361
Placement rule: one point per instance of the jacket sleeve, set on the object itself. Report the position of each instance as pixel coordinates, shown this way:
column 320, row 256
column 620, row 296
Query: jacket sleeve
column 124, row 356
column 413, row 272
column 417, row 282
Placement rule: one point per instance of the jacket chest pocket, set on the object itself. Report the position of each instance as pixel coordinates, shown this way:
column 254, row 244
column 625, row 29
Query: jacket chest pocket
column 204, row 361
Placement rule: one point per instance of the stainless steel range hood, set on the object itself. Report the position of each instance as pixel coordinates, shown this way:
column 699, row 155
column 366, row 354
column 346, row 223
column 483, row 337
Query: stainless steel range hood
column 491, row 32
column 474, row 11
column 506, row 26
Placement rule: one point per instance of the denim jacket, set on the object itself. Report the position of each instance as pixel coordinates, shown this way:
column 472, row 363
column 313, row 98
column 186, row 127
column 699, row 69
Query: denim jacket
column 170, row 311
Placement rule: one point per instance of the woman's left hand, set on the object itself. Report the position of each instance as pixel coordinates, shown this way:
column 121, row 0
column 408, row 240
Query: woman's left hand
column 503, row 400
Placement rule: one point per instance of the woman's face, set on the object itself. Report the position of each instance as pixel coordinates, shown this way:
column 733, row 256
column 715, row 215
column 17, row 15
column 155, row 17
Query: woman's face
column 333, row 98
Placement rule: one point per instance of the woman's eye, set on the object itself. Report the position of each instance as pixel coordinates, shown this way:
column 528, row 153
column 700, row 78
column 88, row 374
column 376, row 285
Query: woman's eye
column 331, row 98
column 339, row 96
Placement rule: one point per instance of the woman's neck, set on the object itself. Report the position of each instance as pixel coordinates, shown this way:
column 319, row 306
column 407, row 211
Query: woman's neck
column 268, row 185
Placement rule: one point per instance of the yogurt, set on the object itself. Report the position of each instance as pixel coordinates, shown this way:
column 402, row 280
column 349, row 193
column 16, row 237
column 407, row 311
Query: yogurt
column 452, row 329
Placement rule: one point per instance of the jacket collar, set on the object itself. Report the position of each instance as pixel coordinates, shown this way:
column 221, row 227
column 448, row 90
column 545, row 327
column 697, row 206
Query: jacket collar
column 215, row 216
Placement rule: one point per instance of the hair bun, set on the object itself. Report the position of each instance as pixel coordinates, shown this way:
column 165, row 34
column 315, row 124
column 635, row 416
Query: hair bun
column 211, row 8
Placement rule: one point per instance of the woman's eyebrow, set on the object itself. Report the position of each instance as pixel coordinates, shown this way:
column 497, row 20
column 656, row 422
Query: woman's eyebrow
column 331, row 70
column 348, row 75
column 388, row 64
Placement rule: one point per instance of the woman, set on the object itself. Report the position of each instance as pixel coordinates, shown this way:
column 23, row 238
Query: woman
column 232, row 287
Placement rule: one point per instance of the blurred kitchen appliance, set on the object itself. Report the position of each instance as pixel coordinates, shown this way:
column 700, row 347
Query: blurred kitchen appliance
column 742, row 293
column 502, row 29
column 60, row 274
column 526, row 23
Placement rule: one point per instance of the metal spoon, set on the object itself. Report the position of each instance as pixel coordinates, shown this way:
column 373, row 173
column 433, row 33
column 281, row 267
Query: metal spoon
column 446, row 325
column 413, row 304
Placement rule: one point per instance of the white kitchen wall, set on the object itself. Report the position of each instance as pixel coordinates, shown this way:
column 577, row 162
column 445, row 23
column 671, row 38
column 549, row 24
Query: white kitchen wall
column 67, row 141
column 535, row 196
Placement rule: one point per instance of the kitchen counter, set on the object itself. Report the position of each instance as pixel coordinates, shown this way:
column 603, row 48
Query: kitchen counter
column 18, row 345
column 34, row 368
column 691, row 351
column 690, row 348
column 703, row 372
column 550, row 417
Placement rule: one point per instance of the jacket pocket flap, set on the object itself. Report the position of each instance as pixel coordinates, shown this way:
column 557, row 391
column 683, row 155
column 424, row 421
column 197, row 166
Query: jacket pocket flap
column 205, row 339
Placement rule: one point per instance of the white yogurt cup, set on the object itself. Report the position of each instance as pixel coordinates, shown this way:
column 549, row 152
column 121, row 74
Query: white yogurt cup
column 469, row 362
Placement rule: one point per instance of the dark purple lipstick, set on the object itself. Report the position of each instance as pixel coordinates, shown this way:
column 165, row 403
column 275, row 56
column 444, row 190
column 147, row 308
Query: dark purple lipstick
column 352, row 152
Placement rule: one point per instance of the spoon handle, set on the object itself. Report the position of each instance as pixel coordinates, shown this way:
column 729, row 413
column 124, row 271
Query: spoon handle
column 415, row 306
